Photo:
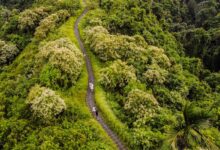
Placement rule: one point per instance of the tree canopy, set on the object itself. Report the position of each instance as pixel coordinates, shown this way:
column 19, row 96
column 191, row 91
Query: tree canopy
column 63, row 63
column 44, row 103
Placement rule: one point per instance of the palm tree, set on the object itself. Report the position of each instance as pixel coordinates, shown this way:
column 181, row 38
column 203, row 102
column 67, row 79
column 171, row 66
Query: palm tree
column 188, row 134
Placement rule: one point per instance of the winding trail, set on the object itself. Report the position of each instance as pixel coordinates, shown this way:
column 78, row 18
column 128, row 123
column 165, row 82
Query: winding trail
column 90, row 94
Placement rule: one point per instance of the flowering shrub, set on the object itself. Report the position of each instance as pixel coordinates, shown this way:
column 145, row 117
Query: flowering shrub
column 49, row 23
column 111, row 47
column 30, row 18
column 44, row 103
column 64, row 63
column 141, row 106
column 7, row 52
column 117, row 75
column 155, row 75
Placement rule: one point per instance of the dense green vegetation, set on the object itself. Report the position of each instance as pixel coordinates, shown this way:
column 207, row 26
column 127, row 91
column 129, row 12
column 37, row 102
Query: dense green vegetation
column 156, row 65
column 195, row 24
column 43, row 79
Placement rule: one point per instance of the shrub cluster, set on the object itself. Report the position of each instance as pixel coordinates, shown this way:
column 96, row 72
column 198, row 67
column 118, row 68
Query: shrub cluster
column 151, row 62
column 110, row 47
column 49, row 23
column 29, row 19
column 44, row 103
column 117, row 75
column 140, row 106
column 63, row 63
column 70, row 5
column 7, row 52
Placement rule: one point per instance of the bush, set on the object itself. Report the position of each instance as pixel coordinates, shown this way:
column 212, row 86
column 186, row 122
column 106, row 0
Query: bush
column 155, row 75
column 70, row 5
column 2, row 106
column 7, row 52
column 133, row 49
column 64, row 63
column 49, row 23
column 213, row 80
column 44, row 103
column 147, row 139
column 30, row 18
column 193, row 65
column 20, row 41
column 4, row 15
column 51, row 76
column 140, row 106
column 111, row 47
column 167, row 98
column 157, row 56
column 11, row 25
column 117, row 75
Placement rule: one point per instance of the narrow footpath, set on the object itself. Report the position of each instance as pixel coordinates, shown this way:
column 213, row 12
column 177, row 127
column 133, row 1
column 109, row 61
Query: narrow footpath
column 91, row 80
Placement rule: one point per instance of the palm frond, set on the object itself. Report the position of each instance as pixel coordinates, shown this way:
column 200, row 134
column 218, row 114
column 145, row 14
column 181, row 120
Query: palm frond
column 173, row 138
column 207, row 141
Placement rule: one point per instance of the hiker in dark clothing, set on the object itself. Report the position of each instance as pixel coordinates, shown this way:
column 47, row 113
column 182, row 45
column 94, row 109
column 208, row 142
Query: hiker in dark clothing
column 95, row 111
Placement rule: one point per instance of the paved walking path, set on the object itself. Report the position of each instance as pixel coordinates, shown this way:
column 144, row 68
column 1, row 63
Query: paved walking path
column 90, row 93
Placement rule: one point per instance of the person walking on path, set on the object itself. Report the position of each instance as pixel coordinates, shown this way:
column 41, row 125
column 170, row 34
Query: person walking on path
column 95, row 111
column 91, row 86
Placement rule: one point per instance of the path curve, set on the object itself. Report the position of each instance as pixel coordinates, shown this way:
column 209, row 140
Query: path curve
column 90, row 94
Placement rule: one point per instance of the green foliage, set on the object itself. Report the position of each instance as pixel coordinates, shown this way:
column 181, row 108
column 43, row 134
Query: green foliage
column 12, row 131
column 10, row 26
column 73, row 128
column 213, row 80
column 7, row 52
column 70, row 5
column 45, row 104
column 4, row 15
column 9, row 22
column 111, row 47
column 64, row 63
column 201, row 41
column 155, row 75
column 189, row 134
column 147, row 139
column 140, row 106
column 117, row 75
column 132, row 49
column 162, row 69
column 20, row 40
column 195, row 41
column 197, row 90
column 146, row 89
column 167, row 98
column 206, row 10
column 193, row 65
column 30, row 18
column 190, row 20
column 50, row 76
column 50, row 23
column 16, row 3
column 136, row 19
column 158, row 56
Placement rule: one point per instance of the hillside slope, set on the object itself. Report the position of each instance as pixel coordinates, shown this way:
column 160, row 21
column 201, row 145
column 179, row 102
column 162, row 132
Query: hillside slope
column 148, row 88
column 45, row 70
